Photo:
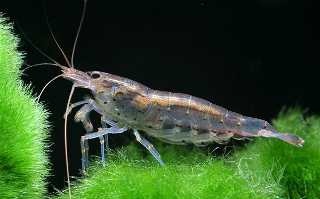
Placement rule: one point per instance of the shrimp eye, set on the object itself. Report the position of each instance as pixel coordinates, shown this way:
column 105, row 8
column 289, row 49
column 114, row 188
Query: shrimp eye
column 95, row 75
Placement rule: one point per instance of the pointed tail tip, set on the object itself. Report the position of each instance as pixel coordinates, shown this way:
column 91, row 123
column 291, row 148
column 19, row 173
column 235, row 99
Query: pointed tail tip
column 291, row 139
column 286, row 137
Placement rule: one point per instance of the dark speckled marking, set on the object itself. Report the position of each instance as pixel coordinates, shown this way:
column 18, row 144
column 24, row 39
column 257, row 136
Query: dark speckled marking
column 202, row 131
column 168, row 124
column 185, row 128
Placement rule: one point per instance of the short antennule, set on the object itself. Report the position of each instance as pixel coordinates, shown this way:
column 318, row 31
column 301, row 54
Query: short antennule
column 42, row 64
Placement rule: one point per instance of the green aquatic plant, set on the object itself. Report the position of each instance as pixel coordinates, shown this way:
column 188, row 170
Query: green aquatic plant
column 296, row 169
column 187, row 174
column 23, row 127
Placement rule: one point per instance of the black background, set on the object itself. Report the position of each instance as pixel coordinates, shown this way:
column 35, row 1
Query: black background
column 252, row 57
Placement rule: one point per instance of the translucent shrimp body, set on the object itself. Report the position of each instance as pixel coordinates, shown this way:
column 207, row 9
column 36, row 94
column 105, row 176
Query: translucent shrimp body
column 171, row 117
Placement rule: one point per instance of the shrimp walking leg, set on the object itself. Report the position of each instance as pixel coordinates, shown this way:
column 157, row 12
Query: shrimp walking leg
column 148, row 146
column 105, row 138
column 82, row 116
column 99, row 134
column 104, row 122
column 83, row 154
column 102, row 149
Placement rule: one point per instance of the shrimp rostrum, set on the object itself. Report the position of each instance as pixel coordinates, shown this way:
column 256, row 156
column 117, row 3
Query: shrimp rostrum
column 171, row 117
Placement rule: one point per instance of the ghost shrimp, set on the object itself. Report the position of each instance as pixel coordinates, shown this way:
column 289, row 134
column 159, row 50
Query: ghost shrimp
column 175, row 118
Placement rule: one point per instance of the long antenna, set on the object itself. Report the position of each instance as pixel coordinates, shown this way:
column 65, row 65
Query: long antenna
column 78, row 31
column 54, row 38
column 66, row 141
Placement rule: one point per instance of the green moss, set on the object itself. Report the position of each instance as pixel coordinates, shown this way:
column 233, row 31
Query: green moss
column 296, row 169
column 23, row 163
column 187, row 174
